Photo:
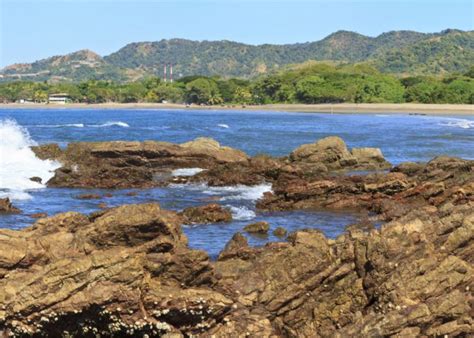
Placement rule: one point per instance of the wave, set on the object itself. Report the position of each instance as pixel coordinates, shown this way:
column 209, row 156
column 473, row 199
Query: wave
column 241, row 213
column 223, row 125
column 75, row 125
column 186, row 171
column 459, row 123
column 230, row 193
column 111, row 124
column 18, row 163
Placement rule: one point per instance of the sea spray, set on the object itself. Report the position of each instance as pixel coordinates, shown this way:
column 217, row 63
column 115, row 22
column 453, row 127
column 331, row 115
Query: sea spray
column 18, row 163
column 187, row 171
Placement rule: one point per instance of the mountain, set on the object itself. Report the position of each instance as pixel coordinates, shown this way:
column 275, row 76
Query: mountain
column 398, row 52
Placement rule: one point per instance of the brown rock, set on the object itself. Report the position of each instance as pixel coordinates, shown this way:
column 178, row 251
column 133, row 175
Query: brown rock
column 257, row 228
column 211, row 213
column 39, row 215
column 6, row 207
column 280, row 232
column 88, row 197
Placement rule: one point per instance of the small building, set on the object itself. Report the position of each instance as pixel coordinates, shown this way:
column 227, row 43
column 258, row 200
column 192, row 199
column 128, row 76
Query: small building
column 59, row 98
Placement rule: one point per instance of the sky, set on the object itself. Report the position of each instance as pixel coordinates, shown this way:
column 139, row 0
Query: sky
column 32, row 30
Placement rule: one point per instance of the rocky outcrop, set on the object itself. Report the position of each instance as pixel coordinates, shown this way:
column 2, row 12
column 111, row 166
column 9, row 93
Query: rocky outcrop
column 128, row 271
column 124, row 271
column 387, row 194
column 132, row 164
column 405, row 280
column 6, row 207
column 211, row 213
column 331, row 153
column 147, row 164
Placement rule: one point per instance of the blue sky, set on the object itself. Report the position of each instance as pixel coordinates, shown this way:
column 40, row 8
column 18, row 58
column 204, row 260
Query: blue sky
column 31, row 30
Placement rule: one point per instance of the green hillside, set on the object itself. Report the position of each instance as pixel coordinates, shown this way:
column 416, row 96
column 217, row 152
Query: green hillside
column 399, row 52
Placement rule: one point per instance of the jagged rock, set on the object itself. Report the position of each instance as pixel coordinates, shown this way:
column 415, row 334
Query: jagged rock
column 50, row 151
column 237, row 246
column 331, row 153
column 257, row 228
column 211, row 213
column 127, row 164
column 125, row 271
column 6, row 207
column 280, row 232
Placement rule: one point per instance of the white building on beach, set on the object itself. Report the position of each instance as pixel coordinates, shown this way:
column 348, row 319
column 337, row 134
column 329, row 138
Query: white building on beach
column 59, row 98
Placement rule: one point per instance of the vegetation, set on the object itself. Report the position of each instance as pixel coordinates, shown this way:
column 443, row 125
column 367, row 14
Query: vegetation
column 311, row 82
column 399, row 52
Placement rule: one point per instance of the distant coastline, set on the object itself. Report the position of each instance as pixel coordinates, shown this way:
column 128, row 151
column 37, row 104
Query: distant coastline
column 340, row 108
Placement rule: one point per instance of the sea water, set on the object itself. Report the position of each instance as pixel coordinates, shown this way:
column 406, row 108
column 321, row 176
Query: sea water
column 400, row 137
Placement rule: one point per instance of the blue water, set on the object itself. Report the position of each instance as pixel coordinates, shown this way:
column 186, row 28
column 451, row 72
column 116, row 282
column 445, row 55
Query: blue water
column 401, row 138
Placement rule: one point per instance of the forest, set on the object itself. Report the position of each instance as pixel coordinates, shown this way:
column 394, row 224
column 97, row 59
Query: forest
column 310, row 83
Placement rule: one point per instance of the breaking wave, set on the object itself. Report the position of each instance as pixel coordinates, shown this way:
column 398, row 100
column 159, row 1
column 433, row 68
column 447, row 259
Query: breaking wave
column 229, row 193
column 454, row 122
column 241, row 213
column 111, row 124
column 18, row 163
column 223, row 125
column 186, row 171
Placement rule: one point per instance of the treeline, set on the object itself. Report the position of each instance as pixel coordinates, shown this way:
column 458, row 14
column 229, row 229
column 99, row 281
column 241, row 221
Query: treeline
column 306, row 83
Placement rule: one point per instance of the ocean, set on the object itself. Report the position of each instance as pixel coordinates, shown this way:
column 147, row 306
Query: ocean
column 400, row 137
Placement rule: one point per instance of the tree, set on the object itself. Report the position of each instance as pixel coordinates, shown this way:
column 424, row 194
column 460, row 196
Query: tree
column 203, row 90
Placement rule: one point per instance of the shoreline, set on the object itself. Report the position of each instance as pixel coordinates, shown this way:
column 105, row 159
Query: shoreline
column 340, row 108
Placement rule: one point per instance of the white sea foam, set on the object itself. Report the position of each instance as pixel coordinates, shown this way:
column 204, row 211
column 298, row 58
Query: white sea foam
column 223, row 125
column 241, row 213
column 187, row 171
column 230, row 193
column 75, row 125
column 111, row 124
column 459, row 123
column 18, row 162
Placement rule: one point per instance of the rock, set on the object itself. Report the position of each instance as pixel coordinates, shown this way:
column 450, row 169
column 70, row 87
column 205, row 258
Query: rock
column 330, row 151
column 126, row 272
column 50, row 151
column 88, row 197
column 257, row 228
column 409, row 168
column 210, row 213
column 36, row 179
column 6, row 207
column 370, row 157
column 124, row 164
column 237, row 246
column 103, row 205
column 39, row 215
column 280, row 232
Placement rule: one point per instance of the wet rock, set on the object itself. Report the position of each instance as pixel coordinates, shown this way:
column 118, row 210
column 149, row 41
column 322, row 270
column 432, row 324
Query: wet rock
column 280, row 232
column 121, row 164
column 88, row 197
column 257, row 228
column 211, row 213
column 39, row 215
column 50, row 151
column 36, row 179
column 6, row 207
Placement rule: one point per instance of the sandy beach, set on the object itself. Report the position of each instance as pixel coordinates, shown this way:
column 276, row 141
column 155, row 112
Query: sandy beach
column 342, row 108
